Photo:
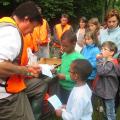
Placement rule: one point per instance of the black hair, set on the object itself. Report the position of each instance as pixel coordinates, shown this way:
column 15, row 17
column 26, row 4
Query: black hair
column 84, row 19
column 65, row 16
column 28, row 9
column 69, row 35
column 111, row 46
column 82, row 67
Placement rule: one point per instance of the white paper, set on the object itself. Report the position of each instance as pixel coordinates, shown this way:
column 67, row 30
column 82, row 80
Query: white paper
column 46, row 70
column 32, row 59
column 55, row 101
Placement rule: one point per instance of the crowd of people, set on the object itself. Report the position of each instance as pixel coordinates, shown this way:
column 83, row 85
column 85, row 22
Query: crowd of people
column 89, row 69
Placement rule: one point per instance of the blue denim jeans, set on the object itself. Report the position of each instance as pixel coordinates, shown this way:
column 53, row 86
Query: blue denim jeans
column 110, row 109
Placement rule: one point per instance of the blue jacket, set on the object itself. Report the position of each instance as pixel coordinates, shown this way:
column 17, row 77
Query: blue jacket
column 90, row 52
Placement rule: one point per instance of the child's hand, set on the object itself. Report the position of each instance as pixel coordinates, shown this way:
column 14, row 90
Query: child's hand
column 58, row 112
column 99, row 56
column 61, row 76
column 63, row 107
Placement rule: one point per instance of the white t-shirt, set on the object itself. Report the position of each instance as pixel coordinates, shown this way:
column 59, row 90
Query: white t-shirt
column 80, row 37
column 79, row 106
column 10, row 45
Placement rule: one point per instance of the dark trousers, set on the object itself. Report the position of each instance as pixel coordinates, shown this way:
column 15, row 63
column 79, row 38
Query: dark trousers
column 64, row 95
column 36, row 89
column 16, row 107
column 55, row 88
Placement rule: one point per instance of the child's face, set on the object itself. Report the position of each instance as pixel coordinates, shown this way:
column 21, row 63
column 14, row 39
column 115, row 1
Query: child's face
column 92, row 27
column 88, row 40
column 72, row 72
column 67, row 46
column 82, row 24
column 106, row 52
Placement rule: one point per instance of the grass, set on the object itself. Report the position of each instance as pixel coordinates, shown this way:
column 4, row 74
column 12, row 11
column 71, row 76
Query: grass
column 96, row 116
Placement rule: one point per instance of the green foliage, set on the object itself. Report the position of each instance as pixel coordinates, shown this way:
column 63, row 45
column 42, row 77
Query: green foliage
column 53, row 9
column 117, row 4
column 4, row 2
column 89, row 8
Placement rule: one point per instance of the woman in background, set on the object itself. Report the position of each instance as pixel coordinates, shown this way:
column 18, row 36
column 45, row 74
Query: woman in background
column 80, row 34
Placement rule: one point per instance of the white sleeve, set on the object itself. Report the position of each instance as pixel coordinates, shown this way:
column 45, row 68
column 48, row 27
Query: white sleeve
column 10, row 43
column 77, row 34
column 77, row 109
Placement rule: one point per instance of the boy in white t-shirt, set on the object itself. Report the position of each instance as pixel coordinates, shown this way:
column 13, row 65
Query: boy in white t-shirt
column 79, row 106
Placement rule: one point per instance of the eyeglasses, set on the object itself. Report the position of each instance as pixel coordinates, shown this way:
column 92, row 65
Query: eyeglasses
column 105, row 49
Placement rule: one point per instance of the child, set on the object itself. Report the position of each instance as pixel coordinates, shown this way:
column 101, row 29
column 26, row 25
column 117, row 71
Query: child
column 107, row 83
column 94, row 25
column 68, row 42
column 90, row 51
column 79, row 105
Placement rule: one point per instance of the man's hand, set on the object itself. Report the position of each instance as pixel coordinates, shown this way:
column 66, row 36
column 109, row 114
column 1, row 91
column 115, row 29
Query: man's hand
column 34, row 70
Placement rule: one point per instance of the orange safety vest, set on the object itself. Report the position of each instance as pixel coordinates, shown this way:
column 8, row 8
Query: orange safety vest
column 60, row 31
column 40, row 33
column 15, row 83
column 28, row 42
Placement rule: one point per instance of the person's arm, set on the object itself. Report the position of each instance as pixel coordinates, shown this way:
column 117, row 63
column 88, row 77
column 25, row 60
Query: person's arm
column 66, row 116
column 62, row 76
column 9, row 50
column 104, row 68
column 66, row 76
column 7, row 69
